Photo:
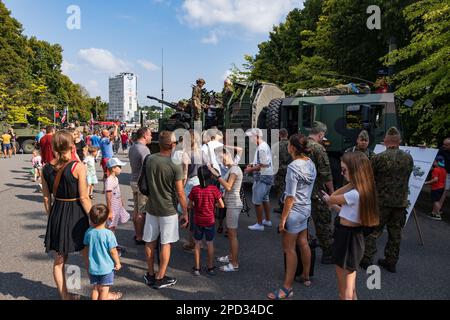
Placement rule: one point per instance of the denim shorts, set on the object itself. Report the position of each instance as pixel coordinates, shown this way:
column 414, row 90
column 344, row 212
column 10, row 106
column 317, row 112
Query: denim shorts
column 207, row 232
column 261, row 193
column 297, row 220
column 7, row 146
column 105, row 280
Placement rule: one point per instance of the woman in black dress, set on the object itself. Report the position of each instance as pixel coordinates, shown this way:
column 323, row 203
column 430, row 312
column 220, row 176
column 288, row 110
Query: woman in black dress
column 67, row 210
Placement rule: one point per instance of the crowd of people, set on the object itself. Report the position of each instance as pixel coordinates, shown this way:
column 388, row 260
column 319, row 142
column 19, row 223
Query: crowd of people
column 196, row 183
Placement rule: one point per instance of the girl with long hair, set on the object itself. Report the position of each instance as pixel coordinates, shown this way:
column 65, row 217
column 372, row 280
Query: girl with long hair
column 300, row 177
column 357, row 205
column 68, row 208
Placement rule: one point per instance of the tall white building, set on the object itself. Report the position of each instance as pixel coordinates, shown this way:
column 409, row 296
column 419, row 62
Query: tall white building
column 123, row 104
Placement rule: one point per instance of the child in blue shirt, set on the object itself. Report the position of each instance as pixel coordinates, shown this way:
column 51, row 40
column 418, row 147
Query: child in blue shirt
column 103, row 256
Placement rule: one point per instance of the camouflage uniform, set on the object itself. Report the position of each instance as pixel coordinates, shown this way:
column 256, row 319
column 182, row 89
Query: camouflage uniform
column 320, row 212
column 197, row 102
column 392, row 170
column 283, row 159
column 367, row 152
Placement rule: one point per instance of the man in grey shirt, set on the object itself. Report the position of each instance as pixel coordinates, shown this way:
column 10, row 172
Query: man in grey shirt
column 137, row 154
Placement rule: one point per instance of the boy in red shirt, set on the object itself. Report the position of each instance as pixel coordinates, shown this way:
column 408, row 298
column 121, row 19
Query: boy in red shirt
column 204, row 199
column 438, row 176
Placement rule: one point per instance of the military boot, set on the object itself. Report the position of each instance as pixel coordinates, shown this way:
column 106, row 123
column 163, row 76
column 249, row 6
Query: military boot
column 387, row 265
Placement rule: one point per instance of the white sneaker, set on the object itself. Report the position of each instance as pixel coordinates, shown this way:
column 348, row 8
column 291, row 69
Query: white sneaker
column 224, row 259
column 267, row 223
column 256, row 227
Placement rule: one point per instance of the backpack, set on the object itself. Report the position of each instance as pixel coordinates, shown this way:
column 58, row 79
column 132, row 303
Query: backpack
column 143, row 181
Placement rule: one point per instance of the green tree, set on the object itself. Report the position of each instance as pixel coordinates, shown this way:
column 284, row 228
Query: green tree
column 425, row 76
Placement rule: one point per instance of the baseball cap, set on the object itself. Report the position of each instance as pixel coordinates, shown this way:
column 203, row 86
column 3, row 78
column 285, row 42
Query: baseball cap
column 114, row 162
column 440, row 160
column 255, row 132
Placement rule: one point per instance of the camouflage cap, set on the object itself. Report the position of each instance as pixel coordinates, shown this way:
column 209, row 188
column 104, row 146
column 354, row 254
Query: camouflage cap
column 319, row 127
column 393, row 131
column 364, row 135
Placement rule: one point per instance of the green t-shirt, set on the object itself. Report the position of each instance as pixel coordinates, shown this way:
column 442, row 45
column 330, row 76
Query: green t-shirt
column 162, row 174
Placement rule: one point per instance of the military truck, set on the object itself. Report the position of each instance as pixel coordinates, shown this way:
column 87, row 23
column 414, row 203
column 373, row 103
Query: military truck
column 345, row 115
column 242, row 110
column 25, row 135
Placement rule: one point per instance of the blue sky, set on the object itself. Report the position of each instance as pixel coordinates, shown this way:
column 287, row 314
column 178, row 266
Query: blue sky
column 201, row 38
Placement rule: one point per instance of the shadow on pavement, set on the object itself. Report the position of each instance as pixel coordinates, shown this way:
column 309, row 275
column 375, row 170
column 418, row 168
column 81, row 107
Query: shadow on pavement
column 30, row 198
column 15, row 285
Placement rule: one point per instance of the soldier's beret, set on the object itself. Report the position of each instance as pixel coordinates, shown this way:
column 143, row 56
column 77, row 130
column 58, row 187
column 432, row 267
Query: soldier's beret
column 393, row 131
column 364, row 135
column 318, row 127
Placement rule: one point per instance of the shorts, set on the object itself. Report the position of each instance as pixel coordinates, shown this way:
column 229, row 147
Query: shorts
column 436, row 195
column 103, row 164
column 233, row 217
column 204, row 232
column 124, row 146
column 348, row 247
column 297, row 220
column 7, row 146
column 165, row 227
column 447, row 182
column 119, row 216
column 261, row 193
column 91, row 180
column 104, row 280
column 139, row 200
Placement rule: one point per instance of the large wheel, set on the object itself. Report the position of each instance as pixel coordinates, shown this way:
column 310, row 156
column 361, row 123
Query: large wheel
column 28, row 146
column 273, row 114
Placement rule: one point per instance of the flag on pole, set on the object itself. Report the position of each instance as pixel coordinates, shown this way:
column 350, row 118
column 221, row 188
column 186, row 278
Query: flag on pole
column 64, row 117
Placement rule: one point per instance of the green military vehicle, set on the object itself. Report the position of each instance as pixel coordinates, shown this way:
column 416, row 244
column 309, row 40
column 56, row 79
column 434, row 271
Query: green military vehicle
column 345, row 115
column 25, row 135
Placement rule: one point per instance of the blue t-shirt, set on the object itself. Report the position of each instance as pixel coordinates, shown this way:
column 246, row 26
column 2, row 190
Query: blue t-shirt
column 100, row 242
column 39, row 136
column 95, row 141
column 106, row 147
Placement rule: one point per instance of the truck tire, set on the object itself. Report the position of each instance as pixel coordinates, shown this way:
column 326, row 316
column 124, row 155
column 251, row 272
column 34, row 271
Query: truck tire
column 28, row 146
column 273, row 114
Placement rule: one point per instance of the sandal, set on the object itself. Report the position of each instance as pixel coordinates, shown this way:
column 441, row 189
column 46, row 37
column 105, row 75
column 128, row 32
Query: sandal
column 275, row 295
column 115, row 295
column 305, row 281
column 229, row 268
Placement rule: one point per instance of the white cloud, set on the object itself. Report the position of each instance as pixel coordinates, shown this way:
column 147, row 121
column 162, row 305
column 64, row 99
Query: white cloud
column 150, row 66
column 257, row 16
column 211, row 39
column 66, row 67
column 103, row 60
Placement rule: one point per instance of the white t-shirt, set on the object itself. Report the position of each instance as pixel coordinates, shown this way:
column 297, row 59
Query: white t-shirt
column 265, row 158
column 350, row 211
column 209, row 154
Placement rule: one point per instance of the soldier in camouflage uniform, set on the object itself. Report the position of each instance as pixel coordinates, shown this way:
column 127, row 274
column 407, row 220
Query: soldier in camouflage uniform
column 392, row 169
column 320, row 212
column 283, row 159
column 197, row 99
column 362, row 145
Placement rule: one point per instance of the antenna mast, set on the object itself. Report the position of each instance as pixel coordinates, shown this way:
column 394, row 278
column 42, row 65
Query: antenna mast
column 162, row 81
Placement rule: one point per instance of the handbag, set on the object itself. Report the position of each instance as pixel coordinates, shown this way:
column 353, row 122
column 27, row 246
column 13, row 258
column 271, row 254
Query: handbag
column 143, row 181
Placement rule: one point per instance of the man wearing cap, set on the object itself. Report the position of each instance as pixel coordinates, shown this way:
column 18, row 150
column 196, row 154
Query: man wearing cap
column 445, row 153
column 197, row 99
column 262, row 170
column 392, row 170
column 165, row 184
column 362, row 145
column 320, row 212
column 283, row 159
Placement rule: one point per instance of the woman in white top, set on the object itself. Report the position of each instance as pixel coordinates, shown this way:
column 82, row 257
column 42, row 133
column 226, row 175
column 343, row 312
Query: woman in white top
column 232, row 183
column 357, row 205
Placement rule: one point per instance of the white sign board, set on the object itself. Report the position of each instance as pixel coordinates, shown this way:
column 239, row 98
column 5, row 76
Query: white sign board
column 423, row 160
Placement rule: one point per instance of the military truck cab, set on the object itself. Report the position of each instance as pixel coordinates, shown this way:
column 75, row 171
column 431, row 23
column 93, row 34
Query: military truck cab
column 345, row 116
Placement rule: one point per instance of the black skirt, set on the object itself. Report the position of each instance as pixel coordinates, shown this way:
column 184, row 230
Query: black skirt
column 348, row 247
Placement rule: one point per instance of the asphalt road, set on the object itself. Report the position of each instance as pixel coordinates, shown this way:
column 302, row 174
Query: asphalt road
column 25, row 268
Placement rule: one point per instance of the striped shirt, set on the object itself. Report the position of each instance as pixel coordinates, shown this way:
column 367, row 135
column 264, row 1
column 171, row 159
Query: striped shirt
column 204, row 204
